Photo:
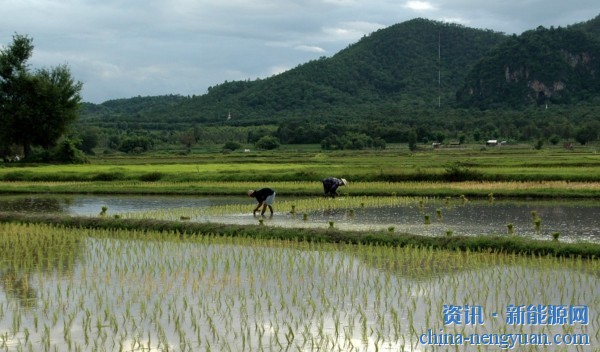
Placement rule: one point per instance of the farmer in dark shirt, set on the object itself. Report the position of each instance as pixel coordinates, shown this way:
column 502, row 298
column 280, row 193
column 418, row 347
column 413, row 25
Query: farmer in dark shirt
column 265, row 197
column 331, row 184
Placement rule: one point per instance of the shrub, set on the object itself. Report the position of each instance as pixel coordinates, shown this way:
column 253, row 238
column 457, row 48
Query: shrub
column 267, row 143
column 231, row 145
column 107, row 176
column 458, row 172
column 151, row 177
column 136, row 144
column 67, row 152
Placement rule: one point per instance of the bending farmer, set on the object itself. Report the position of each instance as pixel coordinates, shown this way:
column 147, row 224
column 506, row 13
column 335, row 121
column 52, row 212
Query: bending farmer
column 331, row 184
column 265, row 197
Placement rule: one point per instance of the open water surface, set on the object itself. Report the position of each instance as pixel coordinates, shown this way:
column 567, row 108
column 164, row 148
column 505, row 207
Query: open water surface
column 574, row 220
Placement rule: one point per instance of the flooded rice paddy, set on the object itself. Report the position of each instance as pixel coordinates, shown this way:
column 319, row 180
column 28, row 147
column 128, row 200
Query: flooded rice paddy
column 109, row 290
column 574, row 220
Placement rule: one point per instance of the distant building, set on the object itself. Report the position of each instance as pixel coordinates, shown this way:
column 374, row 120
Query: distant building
column 436, row 145
column 491, row 143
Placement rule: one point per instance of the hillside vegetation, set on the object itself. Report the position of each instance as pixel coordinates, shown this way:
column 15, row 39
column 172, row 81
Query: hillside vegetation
column 419, row 80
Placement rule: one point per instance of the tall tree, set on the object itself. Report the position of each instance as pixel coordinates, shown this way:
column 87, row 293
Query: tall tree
column 37, row 107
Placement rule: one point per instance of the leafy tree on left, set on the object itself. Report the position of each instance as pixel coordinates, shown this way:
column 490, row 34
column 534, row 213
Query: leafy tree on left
column 37, row 107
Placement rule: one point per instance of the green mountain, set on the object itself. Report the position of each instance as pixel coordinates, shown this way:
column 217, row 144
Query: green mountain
column 408, row 69
column 415, row 64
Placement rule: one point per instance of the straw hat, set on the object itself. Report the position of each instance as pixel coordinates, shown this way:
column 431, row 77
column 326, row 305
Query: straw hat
column 250, row 192
column 344, row 182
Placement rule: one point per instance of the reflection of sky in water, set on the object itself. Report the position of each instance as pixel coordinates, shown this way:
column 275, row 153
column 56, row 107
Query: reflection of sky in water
column 92, row 204
column 572, row 219
column 230, row 296
column 573, row 222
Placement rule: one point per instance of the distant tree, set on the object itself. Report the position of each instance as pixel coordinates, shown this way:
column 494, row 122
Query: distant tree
column 113, row 142
column 256, row 134
column 440, row 137
column 586, row 134
column 89, row 140
column 267, row 143
column 136, row 144
column 554, row 139
column 331, row 142
column 188, row 138
column 539, row 144
column 378, row 143
column 232, row 145
column 412, row 141
column 35, row 107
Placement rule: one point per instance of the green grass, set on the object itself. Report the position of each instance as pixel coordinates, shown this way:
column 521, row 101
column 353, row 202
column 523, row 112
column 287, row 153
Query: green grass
column 505, row 171
column 540, row 189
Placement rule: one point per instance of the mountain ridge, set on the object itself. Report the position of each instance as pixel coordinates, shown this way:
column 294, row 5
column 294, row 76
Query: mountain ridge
column 414, row 65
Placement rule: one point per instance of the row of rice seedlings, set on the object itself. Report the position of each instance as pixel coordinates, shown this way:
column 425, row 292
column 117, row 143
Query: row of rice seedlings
column 134, row 291
column 305, row 206
column 292, row 206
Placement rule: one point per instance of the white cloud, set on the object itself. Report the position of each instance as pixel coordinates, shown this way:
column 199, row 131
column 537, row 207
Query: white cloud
column 312, row 49
column 419, row 5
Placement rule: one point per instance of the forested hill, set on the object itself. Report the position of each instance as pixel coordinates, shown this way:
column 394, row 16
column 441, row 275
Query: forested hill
column 410, row 66
column 539, row 67
column 398, row 65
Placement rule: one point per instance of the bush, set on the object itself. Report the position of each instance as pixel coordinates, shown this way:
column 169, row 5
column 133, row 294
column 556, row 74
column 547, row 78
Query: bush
column 151, row 177
column 107, row 176
column 267, row 143
column 458, row 172
column 231, row 145
column 136, row 144
column 67, row 152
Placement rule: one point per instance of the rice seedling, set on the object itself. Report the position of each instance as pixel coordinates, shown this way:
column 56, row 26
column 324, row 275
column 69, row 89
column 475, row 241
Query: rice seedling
column 102, row 289
column 511, row 228
column 537, row 223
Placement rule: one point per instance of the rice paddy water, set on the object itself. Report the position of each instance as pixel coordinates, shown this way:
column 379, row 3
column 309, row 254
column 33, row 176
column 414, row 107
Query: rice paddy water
column 65, row 289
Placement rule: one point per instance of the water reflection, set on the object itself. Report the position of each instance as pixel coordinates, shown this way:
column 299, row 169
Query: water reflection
column 92, row 204
column 574, row 220
column 154, row 292
column 25, row 251
column 34, row 204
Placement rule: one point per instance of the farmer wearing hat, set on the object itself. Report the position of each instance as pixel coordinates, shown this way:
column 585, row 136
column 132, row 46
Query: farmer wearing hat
column 331, row 184
column 265, row 197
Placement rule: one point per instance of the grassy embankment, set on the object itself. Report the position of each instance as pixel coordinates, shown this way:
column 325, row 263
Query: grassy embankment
column 509, row 172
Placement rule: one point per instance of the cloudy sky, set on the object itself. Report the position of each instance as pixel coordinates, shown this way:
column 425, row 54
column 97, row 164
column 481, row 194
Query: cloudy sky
column 127, row 48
